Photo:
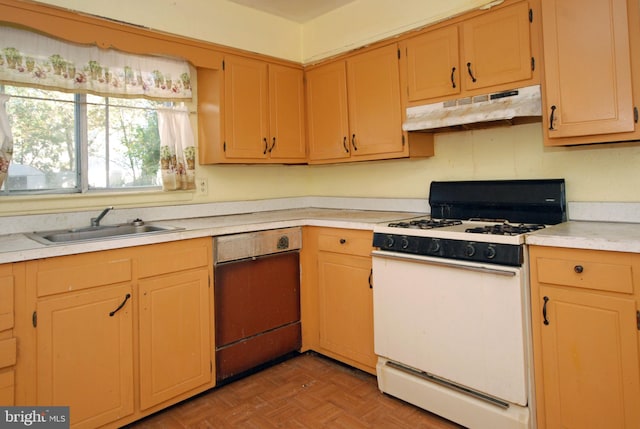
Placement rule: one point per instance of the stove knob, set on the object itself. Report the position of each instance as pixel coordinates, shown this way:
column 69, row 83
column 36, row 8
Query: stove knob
column 434, row 247
column 404, row 243
column 389, row 242
column 469, row 250
column 490, row 253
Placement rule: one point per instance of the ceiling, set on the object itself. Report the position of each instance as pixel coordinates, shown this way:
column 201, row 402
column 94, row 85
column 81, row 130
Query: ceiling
column 294, row 10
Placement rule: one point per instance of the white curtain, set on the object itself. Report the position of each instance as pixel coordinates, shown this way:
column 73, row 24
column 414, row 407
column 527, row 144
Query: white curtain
column 6, row 139
column 177, row 149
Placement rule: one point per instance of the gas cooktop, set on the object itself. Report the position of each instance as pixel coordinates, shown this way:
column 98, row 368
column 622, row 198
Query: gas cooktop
column 480, row 221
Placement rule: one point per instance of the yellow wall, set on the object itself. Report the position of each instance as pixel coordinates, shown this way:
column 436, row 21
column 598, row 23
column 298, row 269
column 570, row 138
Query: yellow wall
column 593, row 173
column 217, row 21
column 364, row 21
column 230, row 24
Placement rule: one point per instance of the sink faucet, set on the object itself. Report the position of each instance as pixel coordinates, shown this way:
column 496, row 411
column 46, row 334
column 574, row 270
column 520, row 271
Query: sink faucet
column 95, row 221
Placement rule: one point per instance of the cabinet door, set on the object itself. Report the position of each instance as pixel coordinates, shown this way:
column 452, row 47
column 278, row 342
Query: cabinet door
column 587, row 68
column 497, row 47
column 175, row 336
column 85, row 354
column 246, row 108
column 327, row 112
column 286, row 113
column 590, row 359
column 346, row 306
column 375, row 115
column 433, row 68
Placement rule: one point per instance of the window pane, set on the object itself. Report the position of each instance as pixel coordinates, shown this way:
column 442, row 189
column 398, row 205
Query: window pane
column 123, row 142
column 45, row 147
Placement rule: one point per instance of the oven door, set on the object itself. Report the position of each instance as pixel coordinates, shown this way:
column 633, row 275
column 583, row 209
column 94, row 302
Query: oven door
column 458, row 321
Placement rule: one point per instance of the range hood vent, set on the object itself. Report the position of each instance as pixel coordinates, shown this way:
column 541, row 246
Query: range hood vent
column 511, row 107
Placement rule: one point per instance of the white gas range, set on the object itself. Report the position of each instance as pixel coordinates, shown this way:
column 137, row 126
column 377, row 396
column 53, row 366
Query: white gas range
column 451, row 301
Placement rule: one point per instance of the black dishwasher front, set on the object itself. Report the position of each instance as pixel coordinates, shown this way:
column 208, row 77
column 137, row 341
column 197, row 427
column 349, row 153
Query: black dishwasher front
column 257, row 299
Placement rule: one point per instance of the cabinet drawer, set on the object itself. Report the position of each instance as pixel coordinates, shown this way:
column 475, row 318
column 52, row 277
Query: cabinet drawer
column 347, row 241
column 6, row 303
column 173, row 257
column 77, row 272
column 7, row 388
column 7, row 352
column 585, row 273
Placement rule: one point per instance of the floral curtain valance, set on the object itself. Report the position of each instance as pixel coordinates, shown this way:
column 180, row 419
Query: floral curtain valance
column 33, row 59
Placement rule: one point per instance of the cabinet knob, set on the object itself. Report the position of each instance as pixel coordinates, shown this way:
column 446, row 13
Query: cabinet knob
column 578, row 269
column 342, row 241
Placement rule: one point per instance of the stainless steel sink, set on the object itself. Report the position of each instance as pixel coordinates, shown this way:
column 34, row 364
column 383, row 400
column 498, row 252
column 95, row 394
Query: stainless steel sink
column 101, row 232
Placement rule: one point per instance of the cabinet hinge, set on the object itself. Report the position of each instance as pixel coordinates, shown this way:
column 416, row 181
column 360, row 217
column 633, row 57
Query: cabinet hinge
column 635, row 114
column 533, row 63
column 398, row 53
column 34, row 319
column 530, row 15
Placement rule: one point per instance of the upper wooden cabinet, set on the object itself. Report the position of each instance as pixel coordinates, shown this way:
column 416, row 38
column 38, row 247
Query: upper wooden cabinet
column 488, row 50
column 592, row 71
column 354, row 110
column 251, row 111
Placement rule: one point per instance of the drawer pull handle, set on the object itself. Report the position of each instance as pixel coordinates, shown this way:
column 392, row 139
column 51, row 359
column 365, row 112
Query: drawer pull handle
column 473, row 78
column 126, row 298
column 578, row 269
column 544, row 310
column 342, row 241
column 453, row 77
column 552, row 118
column 371, row 279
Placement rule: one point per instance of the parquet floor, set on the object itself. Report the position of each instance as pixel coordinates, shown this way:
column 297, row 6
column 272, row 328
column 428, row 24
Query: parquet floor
column 307, row 391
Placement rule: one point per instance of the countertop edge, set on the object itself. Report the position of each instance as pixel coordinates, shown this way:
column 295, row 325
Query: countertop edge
column 18, row 247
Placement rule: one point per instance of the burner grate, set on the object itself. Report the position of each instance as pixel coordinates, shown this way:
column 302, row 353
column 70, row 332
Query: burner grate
column 505, row 229
column 425, row 223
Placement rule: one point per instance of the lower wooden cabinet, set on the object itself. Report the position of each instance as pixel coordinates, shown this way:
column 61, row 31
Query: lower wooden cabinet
column 585, row 326
column 117, row 334
column 337, row 295
column 8, row 343
column 175, row 335
column 85, row 354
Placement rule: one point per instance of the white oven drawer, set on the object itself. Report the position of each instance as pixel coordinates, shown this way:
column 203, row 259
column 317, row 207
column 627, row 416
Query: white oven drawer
column 460, row 321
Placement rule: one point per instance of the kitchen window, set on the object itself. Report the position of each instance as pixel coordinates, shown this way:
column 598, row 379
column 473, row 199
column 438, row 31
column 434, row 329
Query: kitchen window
column 65, row 142
column 79, row 118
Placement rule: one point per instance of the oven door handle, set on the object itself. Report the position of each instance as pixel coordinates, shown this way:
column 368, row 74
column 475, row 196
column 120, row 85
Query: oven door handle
column 445, row 263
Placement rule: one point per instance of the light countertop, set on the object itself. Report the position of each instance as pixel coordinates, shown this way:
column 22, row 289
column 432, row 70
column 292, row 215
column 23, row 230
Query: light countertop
column 597, row 235
column 612, row 236
column 19, row 247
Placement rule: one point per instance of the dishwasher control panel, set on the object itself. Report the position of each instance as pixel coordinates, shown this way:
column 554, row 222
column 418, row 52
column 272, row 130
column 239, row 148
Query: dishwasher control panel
column 253, row 244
